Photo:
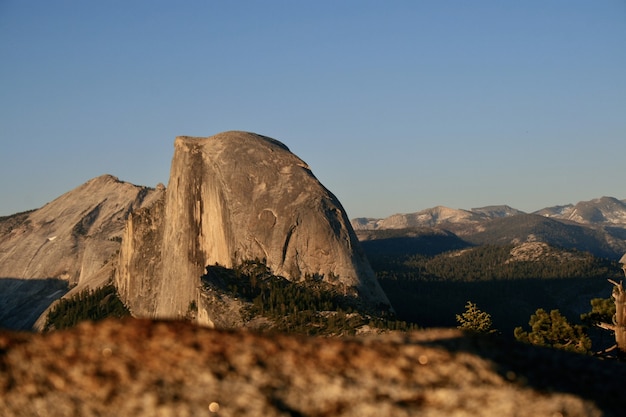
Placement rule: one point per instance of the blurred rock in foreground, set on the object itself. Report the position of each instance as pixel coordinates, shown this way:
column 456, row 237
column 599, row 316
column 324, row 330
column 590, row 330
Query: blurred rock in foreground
column 145, row 368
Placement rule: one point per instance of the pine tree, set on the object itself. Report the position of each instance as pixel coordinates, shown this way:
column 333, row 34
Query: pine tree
column 475, row 320
column 553, row 330
column 602, row 311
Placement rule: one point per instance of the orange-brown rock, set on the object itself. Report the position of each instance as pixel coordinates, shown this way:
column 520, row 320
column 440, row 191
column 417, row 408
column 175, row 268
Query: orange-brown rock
column 143, row 368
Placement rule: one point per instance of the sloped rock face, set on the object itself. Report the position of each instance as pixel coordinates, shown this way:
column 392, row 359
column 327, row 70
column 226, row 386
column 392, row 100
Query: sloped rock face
column 143, row 368
column 69, row 240
column 234, row 197
column 72, row 236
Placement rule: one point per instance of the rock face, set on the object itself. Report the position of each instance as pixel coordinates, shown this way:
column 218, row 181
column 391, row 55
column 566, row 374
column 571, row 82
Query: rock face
column 83, row 225
column 143, row 368
column 231, row 198
column 68, row 241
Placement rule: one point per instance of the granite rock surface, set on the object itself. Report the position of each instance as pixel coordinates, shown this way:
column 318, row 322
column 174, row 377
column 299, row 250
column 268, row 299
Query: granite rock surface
column 145, row 368
column 231, row 198
column 70, row 242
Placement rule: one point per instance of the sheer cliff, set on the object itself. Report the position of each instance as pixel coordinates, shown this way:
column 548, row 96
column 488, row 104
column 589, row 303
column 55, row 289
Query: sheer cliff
column 234, row 197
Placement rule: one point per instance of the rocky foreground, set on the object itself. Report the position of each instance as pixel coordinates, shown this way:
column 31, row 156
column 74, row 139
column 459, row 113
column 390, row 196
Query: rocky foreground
column 145, row 368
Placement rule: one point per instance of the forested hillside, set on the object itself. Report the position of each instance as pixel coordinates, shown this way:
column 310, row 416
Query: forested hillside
column 493, row 262
column 91, row 305
column 312, row 306
column 510, row 282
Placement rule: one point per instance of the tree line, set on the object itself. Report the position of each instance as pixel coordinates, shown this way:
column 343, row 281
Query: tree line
column 311, row 306
column 92, row 305
column 492, row 262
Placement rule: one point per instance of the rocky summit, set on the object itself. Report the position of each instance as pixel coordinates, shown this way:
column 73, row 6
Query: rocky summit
column 231, row 198
column 143, row 368
column 71, row 241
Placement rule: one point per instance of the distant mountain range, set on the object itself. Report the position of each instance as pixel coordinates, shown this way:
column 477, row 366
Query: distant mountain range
column 597, row 226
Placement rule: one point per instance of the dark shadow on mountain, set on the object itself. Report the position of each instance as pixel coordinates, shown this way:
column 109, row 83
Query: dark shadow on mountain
column 617, row 232
column 22, row 301
column 406, row 242
column 510, row 302
column 559, row 233
column 548, row 370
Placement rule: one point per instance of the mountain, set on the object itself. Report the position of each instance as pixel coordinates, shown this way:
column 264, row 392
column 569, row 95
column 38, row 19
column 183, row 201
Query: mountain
column 536, row 228
column 72, row 236
column 240, row 201
column 233, row 198
column 597, row 226
column 70, row 242
column 493, row 212
column 436, row 216
column 426, row 218
column 600, row 211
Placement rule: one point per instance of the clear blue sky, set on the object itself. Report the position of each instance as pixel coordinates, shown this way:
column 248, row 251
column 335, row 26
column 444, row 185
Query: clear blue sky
column 397, row 106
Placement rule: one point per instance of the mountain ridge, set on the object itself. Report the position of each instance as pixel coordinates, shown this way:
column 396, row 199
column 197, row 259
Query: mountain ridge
column 73, row 240
column 597, row 225
column 606, row 205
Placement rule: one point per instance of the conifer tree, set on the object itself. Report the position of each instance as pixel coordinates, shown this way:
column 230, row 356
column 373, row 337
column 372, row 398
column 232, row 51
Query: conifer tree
column 553, row 330
column 475, row 320
column 602, row 311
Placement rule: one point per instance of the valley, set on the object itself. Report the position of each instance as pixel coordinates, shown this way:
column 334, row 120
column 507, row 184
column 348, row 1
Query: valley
column 509, row 266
